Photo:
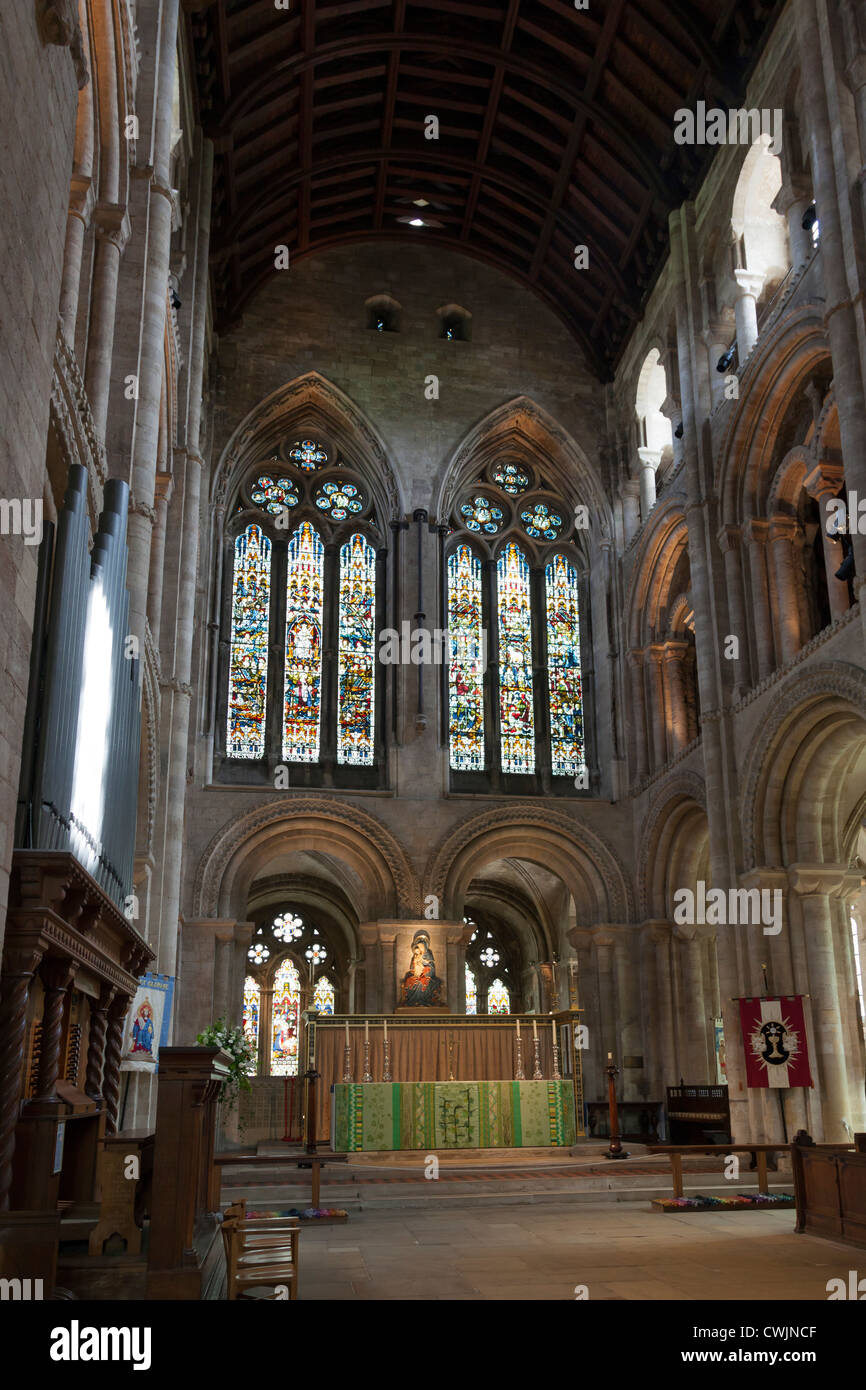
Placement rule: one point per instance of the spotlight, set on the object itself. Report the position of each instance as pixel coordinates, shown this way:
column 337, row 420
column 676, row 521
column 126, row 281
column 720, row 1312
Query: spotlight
column 726, row 358
column 416, row 222
column 176, row 301
column 810, row 217
column 846, row 569
column 678, row 432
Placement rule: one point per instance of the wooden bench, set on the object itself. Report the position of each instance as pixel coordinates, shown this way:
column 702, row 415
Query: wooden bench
column 676, row 1151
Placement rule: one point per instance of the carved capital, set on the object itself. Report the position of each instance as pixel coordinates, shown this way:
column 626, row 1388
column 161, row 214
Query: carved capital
column 729, row 538
column 112, row 224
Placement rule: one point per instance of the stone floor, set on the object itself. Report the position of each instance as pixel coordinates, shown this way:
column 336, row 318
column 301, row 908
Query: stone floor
column 544, row 1251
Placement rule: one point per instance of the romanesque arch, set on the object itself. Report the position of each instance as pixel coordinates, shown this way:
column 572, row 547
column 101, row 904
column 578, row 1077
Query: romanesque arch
column 373, row 865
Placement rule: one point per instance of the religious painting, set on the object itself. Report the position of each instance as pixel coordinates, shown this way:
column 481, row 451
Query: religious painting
column 421, row 985
column 147, row 1022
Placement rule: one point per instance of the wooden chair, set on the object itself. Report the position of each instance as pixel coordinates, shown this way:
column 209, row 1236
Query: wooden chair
column 261, row 1252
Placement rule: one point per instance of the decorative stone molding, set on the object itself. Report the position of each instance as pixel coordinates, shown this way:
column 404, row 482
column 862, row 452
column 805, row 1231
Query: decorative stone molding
column 72, row 421
column 332, row 811
column 57, row 22
column 834, row 880
column 640, row 787
column 142, row 509
column 835, row 678
column 112, row 224
column 823, row 637
column 150, row 727
column 175, row 686
column 530, row 815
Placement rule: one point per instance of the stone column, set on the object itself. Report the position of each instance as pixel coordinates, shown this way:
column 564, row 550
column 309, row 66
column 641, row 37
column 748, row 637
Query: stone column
column 630, row 509
column 164, row 489
column 657, row 705
column 112, row 234
column 145, row 438
column 638, row 715
column 697, row 1013
column 223, row 941
column 77, row 222
column 756, row 535
column 674, row 657
column 602, row 945
column 20, row 964
column 817, row 884
column 783, row 532
column 749, row 286
column 649, row 462
column 823, row 482
column 791, row 202
column 730, row 542
column 661, row 937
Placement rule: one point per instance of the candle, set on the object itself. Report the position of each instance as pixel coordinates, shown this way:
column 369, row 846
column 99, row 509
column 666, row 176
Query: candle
column 534, row 1031
column 366, row 1031
column 610, row 1056
column 553, row 1029
column 385, row 1026
column 347, row 1032
column 518, row 1027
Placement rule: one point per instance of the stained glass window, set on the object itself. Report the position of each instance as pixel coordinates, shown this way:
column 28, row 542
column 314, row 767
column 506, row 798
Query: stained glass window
column 471, row 993
column 303, row 688
column 563, row 668
column 465, row 662
column 498, row 998
column 511, row 479
column 323, row 996
column 539, row 521
column 284, row 1031
column 480, row 514
column 252, row 1004
column 516, row 714
column 340, row 499
column 274, row 494
column 357, row 653
column 308, row 455
column 248, row 663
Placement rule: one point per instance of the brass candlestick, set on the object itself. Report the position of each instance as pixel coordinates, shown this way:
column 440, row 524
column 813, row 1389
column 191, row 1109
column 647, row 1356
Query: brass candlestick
column 557, row 1075
column 368, row 1076
column 347, row 1064
column 536, row 1070
column 386, row 1071
column 520, row 1074
column 451, row 1058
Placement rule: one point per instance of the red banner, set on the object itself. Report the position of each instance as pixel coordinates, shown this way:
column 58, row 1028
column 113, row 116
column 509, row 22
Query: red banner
column 774, row 1041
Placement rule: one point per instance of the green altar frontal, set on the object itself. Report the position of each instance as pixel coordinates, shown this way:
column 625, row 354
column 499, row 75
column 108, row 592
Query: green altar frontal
column 451, row 1115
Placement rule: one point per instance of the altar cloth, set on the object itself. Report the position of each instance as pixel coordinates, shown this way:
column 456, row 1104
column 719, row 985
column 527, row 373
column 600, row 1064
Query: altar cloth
column 451, row 1115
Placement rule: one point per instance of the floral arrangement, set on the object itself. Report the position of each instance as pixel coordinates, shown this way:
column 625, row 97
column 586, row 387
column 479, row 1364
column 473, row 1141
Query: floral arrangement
column 234, row 1042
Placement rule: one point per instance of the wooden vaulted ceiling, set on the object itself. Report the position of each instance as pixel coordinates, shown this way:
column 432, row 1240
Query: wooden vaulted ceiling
column 555, row 130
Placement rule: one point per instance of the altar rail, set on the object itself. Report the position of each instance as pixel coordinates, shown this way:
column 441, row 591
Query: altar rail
column 439, row 1047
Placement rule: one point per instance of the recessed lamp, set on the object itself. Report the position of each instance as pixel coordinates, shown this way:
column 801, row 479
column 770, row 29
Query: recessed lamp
column 416, row 222
column 420, row 203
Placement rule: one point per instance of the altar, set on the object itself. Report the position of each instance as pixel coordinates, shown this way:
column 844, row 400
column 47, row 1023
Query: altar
column 434, row 1115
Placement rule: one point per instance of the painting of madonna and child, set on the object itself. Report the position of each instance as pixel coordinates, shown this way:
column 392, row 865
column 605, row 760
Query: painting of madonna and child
column 421, row 986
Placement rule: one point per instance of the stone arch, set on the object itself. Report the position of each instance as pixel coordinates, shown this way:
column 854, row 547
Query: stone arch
column 811, row 746
column 779, row 367
column 662, row 544
column 666, row 839
column 754, row 220
column 586, row 863
column 373, row 863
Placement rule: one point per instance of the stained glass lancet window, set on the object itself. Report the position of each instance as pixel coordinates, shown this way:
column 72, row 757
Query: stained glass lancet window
column 465, row 662
column 252, row 1005
column 248, row 663
column 563, row 667
column 323, row 996
column 284, row 1030
column 516, row 714
column 471, row 992
column 303, row 688
column 357, row 653
column 498, row 998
